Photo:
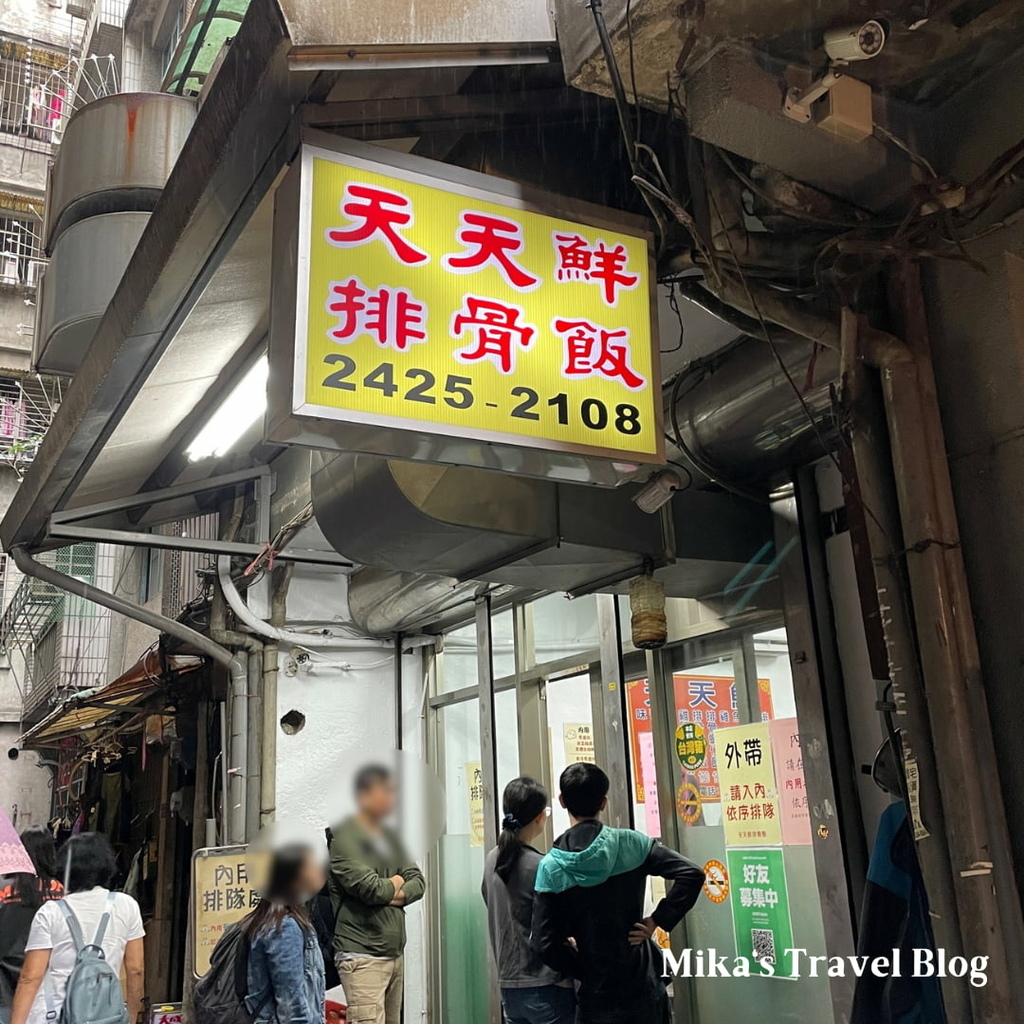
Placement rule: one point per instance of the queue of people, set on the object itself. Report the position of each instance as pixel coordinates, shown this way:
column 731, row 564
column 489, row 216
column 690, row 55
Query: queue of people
column 570, row 938
column 308, row 926
column 568, row 930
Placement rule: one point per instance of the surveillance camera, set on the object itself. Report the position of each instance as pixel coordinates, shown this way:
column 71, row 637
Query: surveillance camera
column 855, row 42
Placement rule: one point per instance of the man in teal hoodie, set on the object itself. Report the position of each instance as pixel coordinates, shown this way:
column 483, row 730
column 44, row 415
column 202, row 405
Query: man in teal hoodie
column 588, row 917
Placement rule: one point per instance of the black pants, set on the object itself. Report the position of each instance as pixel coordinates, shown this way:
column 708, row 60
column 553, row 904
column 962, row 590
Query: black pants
column 660, row 1014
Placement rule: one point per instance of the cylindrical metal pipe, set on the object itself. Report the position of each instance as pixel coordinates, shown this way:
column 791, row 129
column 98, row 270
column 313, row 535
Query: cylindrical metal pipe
column 744, row 417
column 268, row 750
column 237, row 667
column 874, row 494
column 977, row 835
column 254, row 741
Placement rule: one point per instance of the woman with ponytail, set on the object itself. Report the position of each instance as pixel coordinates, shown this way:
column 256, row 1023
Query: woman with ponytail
column 530, row 992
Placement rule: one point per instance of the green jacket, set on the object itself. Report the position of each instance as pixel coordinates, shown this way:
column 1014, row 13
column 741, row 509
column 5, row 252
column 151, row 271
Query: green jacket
column 361, row 891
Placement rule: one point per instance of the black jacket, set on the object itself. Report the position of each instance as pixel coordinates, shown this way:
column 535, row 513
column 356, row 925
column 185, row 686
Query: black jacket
column 617, row 982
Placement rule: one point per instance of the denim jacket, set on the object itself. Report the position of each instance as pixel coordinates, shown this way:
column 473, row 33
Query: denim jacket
column 286, row 977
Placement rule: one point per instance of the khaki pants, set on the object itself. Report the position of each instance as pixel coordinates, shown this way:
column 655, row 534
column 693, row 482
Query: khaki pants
column 373, row 989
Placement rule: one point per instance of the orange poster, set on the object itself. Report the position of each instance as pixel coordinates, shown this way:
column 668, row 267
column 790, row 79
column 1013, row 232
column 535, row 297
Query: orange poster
column 708, row 701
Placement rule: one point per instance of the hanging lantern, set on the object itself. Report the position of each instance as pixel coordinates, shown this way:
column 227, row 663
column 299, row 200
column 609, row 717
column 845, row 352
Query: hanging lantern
column 647, row 610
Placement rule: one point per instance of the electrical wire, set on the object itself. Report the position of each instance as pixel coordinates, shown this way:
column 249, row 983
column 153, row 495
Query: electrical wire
column 786, row 208
column 914, row 156
column 808, row 412
column 622, row 111
column 673, row 302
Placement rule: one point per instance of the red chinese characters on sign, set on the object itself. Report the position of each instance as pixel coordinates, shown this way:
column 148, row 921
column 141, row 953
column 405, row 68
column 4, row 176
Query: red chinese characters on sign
column 577, row 260
column 378, row 214
column 389, row 315
column 594, row 351
column 498, row 329
column 491, row 241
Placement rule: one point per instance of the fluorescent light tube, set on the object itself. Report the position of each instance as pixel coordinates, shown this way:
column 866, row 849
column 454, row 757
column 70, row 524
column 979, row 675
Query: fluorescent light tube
column 244, row 405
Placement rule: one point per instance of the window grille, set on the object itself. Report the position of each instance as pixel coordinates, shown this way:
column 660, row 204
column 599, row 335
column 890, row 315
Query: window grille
column 34, row 95
column 21, row 251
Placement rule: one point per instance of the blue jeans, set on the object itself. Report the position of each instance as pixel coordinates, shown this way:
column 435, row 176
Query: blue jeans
column 545, row 1004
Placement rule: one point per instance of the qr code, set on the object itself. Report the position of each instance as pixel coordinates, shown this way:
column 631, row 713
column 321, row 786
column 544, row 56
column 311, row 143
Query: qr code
column 763, row 940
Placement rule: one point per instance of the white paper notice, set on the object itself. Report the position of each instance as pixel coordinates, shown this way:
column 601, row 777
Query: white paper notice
column 650, row 780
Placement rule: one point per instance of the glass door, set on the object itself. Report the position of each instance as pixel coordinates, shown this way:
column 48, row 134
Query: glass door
column 570, row 735
column 729, row 752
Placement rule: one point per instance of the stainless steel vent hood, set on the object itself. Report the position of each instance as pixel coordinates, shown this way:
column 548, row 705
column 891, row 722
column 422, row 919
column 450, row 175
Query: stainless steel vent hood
column 470, row 524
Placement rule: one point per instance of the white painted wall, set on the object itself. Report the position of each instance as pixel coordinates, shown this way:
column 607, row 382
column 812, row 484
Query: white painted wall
column 24, row 784
column 348, row 700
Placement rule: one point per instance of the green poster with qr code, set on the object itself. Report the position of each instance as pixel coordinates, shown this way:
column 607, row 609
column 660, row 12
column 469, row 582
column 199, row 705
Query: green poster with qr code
column 760, row 909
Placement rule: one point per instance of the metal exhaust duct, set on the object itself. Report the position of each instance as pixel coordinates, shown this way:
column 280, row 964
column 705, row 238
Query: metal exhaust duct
column 436, row 535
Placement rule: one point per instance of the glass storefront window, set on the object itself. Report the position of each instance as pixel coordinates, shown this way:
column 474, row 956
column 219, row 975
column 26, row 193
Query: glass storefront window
column 503, row 644
column 458, row 663
column 463, row 924
column 680, row 705
column 570, row 732
column 563, row 629
column 506, row 740
column 742, row 817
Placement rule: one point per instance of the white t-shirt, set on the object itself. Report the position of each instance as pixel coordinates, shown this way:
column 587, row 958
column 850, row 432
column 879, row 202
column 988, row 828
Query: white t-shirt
column 50, row 931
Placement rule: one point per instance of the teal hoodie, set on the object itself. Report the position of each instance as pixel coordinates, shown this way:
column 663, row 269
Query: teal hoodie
column 614, row 851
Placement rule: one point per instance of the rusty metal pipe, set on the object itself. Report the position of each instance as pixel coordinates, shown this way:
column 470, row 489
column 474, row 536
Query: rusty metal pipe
column 874, row 493
column 977, row 833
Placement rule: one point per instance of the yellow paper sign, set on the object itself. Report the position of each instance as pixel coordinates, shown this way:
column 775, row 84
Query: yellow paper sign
column 746, row 774
column 437, row 308
column 222, row 893
column 475, row 792
column 579, row 742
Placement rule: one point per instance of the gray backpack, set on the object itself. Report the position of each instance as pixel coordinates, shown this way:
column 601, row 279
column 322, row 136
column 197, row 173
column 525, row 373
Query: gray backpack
column 93, row 994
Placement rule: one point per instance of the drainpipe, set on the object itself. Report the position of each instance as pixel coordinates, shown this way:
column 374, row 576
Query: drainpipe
column 236, row 667
column 268, row 751
column 246, row 719
column 872, row 493
column 968, row 774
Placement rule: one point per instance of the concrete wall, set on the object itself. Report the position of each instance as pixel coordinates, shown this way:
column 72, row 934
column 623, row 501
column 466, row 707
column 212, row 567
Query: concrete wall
column 25, row 784
column 23, row 170
column 17, row 317
column 37, row 21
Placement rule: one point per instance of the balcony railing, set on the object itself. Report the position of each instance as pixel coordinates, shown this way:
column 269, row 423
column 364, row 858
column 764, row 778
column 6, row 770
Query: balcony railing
column 27, row 407
column 58, row 643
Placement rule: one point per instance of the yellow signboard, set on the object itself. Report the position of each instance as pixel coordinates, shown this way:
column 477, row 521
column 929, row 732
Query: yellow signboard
column 441, row 308
column 475, row 793
column 222, row 893
column 746, row 774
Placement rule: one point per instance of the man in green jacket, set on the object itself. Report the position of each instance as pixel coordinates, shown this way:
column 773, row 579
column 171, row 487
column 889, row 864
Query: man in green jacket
column 372, row 882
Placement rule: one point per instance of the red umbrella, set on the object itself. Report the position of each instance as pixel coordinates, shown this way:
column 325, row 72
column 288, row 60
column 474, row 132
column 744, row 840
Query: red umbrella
column 13, row 858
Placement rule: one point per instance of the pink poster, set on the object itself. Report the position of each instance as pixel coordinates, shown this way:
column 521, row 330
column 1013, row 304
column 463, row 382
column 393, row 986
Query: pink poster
column 649, row 775
column 789, row 777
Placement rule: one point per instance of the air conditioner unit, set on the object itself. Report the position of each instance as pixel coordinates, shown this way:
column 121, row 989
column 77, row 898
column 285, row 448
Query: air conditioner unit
column 78, row 8
column 9, row 268
column 35, row 270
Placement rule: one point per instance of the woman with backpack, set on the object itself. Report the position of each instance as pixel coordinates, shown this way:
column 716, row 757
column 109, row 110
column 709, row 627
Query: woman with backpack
column 56, row 957
column 20, row 897
column 285, row 971
column 531, row 993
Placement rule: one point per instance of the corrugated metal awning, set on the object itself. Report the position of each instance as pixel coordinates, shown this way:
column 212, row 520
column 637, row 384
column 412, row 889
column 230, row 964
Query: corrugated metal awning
column 91, row 709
